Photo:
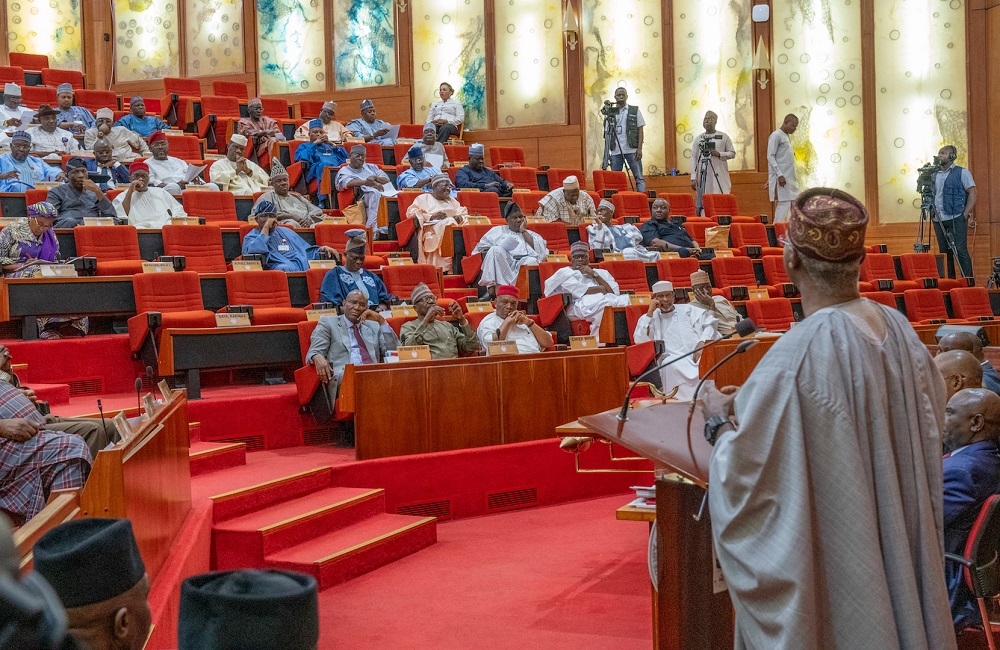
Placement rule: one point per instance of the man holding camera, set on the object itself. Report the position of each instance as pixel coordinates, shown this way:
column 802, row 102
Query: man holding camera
column 954, row 198
column 712, row 149
column 626, row 140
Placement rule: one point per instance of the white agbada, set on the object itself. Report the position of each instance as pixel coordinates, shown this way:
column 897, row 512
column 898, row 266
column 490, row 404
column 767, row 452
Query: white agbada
column 826, row 503
column 588, row 307
column 223, row 173
column 781, row 162
column 505, row 252
column 170, row 171
column 149, row 209
column 520, row 334
column 717, row 165
column 432, row 232
column 681, row 330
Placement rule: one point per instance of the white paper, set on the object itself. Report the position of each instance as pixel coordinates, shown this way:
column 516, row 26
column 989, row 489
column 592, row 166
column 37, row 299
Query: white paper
column 26, row 116
column 393, row 132
column 192, row 172
column 435, row 160
column 389, row 190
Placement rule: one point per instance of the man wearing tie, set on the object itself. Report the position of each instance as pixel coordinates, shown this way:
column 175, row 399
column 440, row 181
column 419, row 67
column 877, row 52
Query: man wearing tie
column 104, row 164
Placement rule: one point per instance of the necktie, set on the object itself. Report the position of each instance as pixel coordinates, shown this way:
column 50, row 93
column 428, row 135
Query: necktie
column 362, row 348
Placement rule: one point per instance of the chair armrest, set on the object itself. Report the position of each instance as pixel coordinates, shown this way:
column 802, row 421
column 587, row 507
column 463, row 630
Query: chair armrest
column 306, row 383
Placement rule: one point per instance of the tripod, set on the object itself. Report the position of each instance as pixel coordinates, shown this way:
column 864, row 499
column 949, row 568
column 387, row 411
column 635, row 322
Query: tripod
column 994, row 281
column 611, row 135
column 927, row 212
column 703, row 165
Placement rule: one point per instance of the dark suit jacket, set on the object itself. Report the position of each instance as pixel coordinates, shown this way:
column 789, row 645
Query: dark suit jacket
column 991, row 380
column 970, row 477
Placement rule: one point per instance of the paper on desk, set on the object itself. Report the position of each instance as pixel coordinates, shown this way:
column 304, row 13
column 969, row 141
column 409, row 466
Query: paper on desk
column 393, row 132
column 192, row 172
column 389, row 190
column 435, row 160
column 27, row 115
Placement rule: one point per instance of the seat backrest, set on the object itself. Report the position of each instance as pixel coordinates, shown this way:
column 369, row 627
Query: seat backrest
column 412, row 131
column 107, row 243
column 924, row 304
column 185, row 147
column 780, row 228
column 885, row 297
column 405, row 199
column 733, row 272
column 457, row 153
column 314, row 281
column 236, row 89
column 200, row 245
column 558, row 174
column 29, row 61
column 335, row 236
column 400, row 280
column 981, row 546
column 918, row 265
column 34, row 96
column 632, row 315
column 970, row 302
column 34, row 195
column 631, row 204
column 697, row 230
column 11, row 74
column 748, row 234
column 719, row 204
column 877, row 266
column 774, row 269
column 310, row 108
column 681, row 203
column 503, row 155
column 401, row 149
column 306, row 328
column 258, row 288
column 486, row 204
column 275, row 107
column 629, row 274
column 167, row 292
column 528, row 201
column 213, row 206
column 677, row 270
column 554, row 233
column 471, row 234
column 220, row 106
column 547, row 269
column 53, row 77
column 181, row 86
column 610, row 180
column 94, row 100
column 771, row 313
column 373, row 153
column 523, row 177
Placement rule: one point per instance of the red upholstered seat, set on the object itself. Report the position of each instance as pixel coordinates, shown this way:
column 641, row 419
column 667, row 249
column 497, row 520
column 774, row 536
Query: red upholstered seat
column 697, row 229
column 780, row 230
column 188, row 92
column 310, row 108
column 400, row 280
column 220, row 106
column 177, row 296
column 33, row 196
column 456, row 153
column 736, row 272
column 971, row 302
column 917, row 266
column 236, row 89
column 743, row 235
column 373, row 152
column 411, row 131
column 773, row 314
column 717, row 205
column 405, row 228
column 629, row 274
column 486, row 204
column 186, row 147
column 924, row 305
column 631, row 204
column 558, row 174
column 503, row 155
column 554, row 233
column 677, row 270
column 681, row 203
column 115, row 247
column 29, row 61
column 528, row 201
column 523, row 177
column 639, row 356
column 306, row 379
column 12, row 74
column 201, row 247
column 54, row 77
column 471, row 264
column 35, row 96
column 267, row 292
column 274, row 107
column 774, row 270
column 610, row 180
column 335, row 236
column 879, row 266
column 314, row 281
column 887, row 298
column 215, row 207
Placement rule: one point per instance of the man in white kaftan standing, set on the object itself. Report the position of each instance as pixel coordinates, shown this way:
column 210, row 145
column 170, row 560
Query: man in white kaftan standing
column 781, row 184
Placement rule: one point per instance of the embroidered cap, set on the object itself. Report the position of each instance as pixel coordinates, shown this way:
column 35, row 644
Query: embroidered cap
column 828, row 224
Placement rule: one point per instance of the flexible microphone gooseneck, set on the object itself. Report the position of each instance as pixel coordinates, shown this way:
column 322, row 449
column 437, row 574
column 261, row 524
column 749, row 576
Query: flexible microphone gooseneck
column 138, row 394
column 152, row 382
column 100, row 408
column 740, row 349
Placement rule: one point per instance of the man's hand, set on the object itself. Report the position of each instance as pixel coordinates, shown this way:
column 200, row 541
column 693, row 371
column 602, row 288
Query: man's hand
column 371, row 314
column 372, row 181
column 694, row 185
column 971, row 221
column 61, row 177
column 381, row 132
column 105, row 129
column 323, row 369
column 696, row 251
column 440, row 120
column 587, row 271
column 704, row 295
column 781, row 181
column 134, row 185
column 524, row 319
column 18, row 429
column 30, row 394
column 654, row 304
column 268, row 226
column 242, row 167
column 456, row 312
column 13, row 122
column 638, row 153
column 9, row 175
column 93, row 187
column 715, row 154
column 433, row 313
column 717, row 402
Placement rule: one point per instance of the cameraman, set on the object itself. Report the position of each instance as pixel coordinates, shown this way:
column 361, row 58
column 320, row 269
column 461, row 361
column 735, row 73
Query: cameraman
column 719, row 148
column 954, row 198
column 626, row 141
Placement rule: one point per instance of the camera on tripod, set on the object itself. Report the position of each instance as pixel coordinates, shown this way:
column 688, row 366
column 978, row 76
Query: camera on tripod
column 925, row 187
column 707, row 145
column 925, row 178
column 609, row 109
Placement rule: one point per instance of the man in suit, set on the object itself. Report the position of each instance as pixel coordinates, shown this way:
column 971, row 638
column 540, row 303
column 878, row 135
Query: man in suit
column 970, row 343
column 971, row 474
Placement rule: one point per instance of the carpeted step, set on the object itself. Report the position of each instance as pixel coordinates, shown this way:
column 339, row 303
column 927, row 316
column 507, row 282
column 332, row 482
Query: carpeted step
column 212, row 456
column 245, row 541
column 52, row 393
column 343, row 554
column 263, row 495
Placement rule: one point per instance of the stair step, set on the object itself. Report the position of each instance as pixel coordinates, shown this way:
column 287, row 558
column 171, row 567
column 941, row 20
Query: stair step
column 341, row 555
column 262, row 495
column 212, row 456
column 51, row 393
column 246, row 540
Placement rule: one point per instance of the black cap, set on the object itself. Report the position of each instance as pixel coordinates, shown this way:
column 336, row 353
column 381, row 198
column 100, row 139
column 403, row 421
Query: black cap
column 249, row 609
column 74, row 162
column 89, row 561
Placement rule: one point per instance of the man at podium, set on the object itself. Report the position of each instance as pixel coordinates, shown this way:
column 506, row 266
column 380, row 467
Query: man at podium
column 825, row 487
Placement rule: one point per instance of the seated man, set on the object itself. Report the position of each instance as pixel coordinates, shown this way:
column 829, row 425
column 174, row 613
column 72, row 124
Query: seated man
column 682, row 328
column 261, row 130
column 959, row 369
column 34, row 460
column 168, row 172
column 970, row 343
column 47, row 137
column 429, row 145
column 104, row 164
column 128, row 145
column 339, row 282
column 418, row 175
column 434, row 212
column 76, row 119
column 79, row 197
column 19, row 171
column 369, row 127
column 626, row 239
column 567, row 204
column 444, row 339
column 293, row 209
column 507, row 248
column 717, row 306
column 95, row 568
column 138, row 121
column 11, row 109
column 971, row 475
column 282, row 249
column 335, row 131
column 591, row 289
column 367, row 180
column 477, row 176
column 144, row 206
column 662, row 234
column 507, row 323
column 235, row 173
column 318, row 154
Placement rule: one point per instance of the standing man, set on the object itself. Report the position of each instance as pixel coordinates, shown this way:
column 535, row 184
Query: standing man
column 718, row 152
column 825, row 484
column 954, row 198
column 626, row 145
column 446, row 115
column 371, row 128
column 781, row 184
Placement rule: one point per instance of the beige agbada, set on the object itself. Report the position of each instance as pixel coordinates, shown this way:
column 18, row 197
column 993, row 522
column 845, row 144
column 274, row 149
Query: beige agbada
column 826, row 504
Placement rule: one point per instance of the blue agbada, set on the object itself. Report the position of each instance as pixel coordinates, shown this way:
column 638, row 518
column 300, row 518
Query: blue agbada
column 76, row 114
column 361, row 128
column 339, row 282
column 285, row 250
column 412, row 178
column 319, row 156
column 29, row 172
column 143, row 126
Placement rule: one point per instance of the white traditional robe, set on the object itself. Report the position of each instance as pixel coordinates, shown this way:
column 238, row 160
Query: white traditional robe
column 681, row 331
column 520, row 334
column 719, row 165
column 724, row 313
column 12, row 114
column 781, row 162
column 126, row 145
column 335, row 131
column 625, row 239
column 170, row 171
column 223, row 172
column 826, row 503
column 432, row 232
column 59, row 140
column 149, row 209
column 505, row 252
column 588, row 307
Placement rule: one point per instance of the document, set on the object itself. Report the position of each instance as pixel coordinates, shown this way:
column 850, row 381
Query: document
column 192, row 172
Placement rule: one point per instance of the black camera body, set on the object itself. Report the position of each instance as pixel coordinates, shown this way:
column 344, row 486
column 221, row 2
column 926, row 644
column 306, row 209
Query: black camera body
column 609, row 109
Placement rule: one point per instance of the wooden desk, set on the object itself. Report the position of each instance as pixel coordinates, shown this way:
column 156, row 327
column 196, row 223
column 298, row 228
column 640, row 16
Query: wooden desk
column 735, row 371
column 491, row 400
column 28, row 298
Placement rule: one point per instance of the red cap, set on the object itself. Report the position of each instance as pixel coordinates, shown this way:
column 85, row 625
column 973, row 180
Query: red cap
column 507, row 290
column 156, row 136
column 138, row 166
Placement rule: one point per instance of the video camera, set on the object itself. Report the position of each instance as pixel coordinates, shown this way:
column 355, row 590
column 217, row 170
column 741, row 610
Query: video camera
column 609, row 109
column 707, row 145
column 925, row 184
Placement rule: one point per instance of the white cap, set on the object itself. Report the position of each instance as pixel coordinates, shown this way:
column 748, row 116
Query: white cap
column 662, row 286
column 105, row 113
column 12, row 89
column 239, row 139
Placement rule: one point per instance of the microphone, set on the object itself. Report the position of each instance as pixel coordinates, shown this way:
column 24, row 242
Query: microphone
column 740, row 349
column 744, row 327
column 149, row 373
column 100, row 408
column 138, row 392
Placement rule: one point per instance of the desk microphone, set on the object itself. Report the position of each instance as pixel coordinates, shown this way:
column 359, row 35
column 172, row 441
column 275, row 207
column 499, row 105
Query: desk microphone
column 740, row 349
column 152, row 382
column 100, row 408
column 744, row 327
column 138, row 393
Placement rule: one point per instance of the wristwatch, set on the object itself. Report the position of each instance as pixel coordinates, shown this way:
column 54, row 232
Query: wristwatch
column 712, row 426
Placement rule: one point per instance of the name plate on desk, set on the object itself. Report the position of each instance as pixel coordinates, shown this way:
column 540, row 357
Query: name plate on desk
column 583, row 343
column 478, row 221
column 400, row 261
column 640, row 298
column 414, row 352
column 123, row 426
column 535, row 219
column 316, row 314
column 332, row 219
column 521, row 189
column 757, row 294
column 322, row 264
column 612, row 257
column 57, row 271
column 554, row 257
column 46, row 186
column 247, row 265
column 200, row 187
column 403, row 311
column 184, row 221
column 240, row 319
column 157, row 267
column 478, row 307
column 6, row 221
column 723, row 253
column 501, row 348
column 669, row 255
column 98, row 221
column 165, row 390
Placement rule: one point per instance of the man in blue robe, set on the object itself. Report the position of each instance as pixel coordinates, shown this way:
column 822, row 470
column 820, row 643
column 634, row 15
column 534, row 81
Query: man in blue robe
column 418, row 175
column 72, row 118
column 19, row 171
column 138, row 121
column 369, row 127
column 318, row 153
column 352, row 276
column 283, row 250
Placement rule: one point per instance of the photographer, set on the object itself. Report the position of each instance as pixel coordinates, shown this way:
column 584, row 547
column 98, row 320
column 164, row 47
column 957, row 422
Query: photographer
column 954, row 198
column 710, row 152
column 624, row 140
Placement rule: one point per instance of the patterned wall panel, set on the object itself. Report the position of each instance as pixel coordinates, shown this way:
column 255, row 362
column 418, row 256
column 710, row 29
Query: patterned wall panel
column 531, row 87
column 291, row 46
column 46, row 27
column 146, row 41
column 364, row 43
column 214, row 37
